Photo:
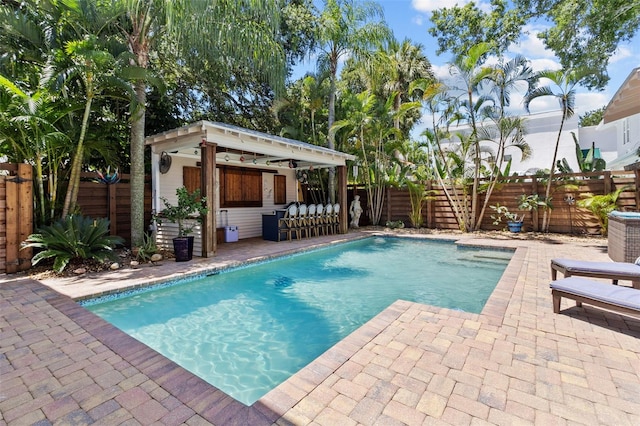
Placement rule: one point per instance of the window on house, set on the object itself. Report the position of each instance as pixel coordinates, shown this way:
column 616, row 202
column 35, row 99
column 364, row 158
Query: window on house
column 240, row 187
column 279, row 189
column 626, row 132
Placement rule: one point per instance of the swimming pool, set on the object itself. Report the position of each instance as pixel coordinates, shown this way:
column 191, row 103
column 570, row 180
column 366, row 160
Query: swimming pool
column 247, row 330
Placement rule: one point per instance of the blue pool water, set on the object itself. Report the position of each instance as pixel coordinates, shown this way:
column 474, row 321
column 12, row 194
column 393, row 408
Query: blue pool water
column 245, row 331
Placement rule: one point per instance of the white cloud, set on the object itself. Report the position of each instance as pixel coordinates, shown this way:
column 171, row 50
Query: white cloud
column 589, row 101
column 620, row 54
column 545, row 64
column 418, row 20
column 431, row 5
column 530, row 46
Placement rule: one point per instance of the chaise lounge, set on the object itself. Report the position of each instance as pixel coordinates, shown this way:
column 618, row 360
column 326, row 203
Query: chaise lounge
column 616, row 298
column 609, row 270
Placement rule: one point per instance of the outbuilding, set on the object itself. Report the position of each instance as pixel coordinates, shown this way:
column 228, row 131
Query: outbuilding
column 246, row 173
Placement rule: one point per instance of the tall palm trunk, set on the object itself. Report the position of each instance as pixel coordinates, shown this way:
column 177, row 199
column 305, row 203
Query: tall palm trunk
column 71, row 198
column 331, row 119
column 546, row 217
column 137, row 166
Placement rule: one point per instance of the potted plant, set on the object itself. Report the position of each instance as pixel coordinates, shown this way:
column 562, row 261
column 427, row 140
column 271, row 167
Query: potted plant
column 514, row 222
column 187, row 213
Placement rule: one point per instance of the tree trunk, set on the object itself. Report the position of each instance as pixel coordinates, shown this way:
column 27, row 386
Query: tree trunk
column 137, row 166
column 332, row 136
column 71, row 197
column 546, row 217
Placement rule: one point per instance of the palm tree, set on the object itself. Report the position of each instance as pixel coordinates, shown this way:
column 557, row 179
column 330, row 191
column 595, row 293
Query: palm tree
column 564, row 82
column 402, row 64
column 241, row 31
column 94, row 70
column 28, row 131
column 345, row 27
column 470, row 73
column 502, row 129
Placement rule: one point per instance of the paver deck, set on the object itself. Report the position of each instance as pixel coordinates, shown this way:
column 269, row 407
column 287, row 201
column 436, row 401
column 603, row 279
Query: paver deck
column 515, row 363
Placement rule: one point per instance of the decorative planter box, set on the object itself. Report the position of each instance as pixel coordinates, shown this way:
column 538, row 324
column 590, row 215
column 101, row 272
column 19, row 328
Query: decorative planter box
column 624, row 236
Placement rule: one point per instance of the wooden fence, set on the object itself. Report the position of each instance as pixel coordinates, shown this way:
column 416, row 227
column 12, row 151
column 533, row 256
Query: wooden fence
column 16, row 216
column 112, row 201
column 566, row 217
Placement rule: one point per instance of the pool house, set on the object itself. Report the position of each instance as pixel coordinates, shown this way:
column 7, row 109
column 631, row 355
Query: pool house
column 247, row 174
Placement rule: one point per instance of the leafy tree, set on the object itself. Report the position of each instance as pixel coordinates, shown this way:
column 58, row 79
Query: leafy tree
column 28, row 133
column 217, row 31
column 586, row 33
column 563, row 88
column 458, row 28
column 345, row 27
column 401, row 64
column 591, row 118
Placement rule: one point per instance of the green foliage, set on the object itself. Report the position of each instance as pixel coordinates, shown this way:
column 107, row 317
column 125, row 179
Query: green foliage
column 587, row 162
column 586, row 33
column 395, row 224
column 190, row 206
column 591, row 118
column 601, row 206
column 458, row 28
column 147, row 249
column 74, row 237
column 502, row 213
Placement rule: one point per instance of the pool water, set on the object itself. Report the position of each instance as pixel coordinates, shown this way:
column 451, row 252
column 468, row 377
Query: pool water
column 245, row 331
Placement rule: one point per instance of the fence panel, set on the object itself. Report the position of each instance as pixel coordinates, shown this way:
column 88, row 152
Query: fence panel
column 16, row 216
column 566, row 216
column 112, row 201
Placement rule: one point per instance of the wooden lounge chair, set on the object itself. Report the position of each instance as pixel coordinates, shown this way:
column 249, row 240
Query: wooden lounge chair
column 582, row 290
column 609, row 270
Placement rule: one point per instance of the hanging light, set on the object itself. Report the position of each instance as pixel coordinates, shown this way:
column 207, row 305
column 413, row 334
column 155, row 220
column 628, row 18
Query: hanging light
column 226, row 157
column 268, row 162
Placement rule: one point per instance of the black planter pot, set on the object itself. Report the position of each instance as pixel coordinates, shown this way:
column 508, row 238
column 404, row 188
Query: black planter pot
column 183, row 248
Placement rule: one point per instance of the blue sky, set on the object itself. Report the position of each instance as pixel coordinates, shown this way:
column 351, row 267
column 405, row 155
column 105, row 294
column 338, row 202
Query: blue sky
column 410, row 19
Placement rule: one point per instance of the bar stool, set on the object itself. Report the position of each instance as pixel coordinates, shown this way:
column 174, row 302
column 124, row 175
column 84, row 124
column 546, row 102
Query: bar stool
column 286, row 224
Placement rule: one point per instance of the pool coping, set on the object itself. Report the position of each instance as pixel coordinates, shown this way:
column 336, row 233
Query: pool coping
column 219, row 408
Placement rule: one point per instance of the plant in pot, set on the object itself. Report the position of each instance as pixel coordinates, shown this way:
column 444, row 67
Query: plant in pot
column 502, row 213
column 187, row 213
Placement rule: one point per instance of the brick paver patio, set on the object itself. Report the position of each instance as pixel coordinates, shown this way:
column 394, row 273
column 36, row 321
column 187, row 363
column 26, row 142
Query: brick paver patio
column 516, row 363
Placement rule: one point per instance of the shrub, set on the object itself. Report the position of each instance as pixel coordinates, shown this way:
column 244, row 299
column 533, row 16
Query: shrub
column 147, row 249
column 74, row 237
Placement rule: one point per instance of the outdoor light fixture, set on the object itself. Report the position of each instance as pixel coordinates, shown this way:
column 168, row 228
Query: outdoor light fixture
column 268, row 162
column 226, row 157
column 292, row 164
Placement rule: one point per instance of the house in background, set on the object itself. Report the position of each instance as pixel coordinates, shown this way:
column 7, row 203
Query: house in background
column 616, row 138
column 541, row 135
column 621, row 124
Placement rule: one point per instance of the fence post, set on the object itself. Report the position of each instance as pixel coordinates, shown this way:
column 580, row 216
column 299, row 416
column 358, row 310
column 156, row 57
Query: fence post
column 535, row 218
column 113, row 209
column 607, row 182
column 429, row 188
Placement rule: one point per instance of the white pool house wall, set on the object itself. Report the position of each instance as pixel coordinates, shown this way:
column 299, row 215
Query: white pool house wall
column 272, row 154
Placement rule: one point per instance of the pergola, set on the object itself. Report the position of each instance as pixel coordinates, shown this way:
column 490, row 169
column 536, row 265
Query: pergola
column 215, row 143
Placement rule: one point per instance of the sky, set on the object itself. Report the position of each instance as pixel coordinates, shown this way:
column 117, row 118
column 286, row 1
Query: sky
column 411, row 19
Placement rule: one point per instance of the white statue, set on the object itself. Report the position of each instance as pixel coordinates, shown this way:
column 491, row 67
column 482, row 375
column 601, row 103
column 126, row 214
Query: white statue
column 355, row 210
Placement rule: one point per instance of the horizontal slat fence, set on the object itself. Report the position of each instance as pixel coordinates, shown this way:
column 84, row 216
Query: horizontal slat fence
column 566, row 217
column 112, row 201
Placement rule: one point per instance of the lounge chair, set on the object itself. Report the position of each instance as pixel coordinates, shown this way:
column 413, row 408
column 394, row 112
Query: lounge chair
column 609, row 270
column 616, row 298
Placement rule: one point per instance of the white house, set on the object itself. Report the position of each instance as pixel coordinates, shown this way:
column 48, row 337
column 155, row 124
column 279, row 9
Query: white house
column 621, row 124
column 246, row 173
column 541, row 135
